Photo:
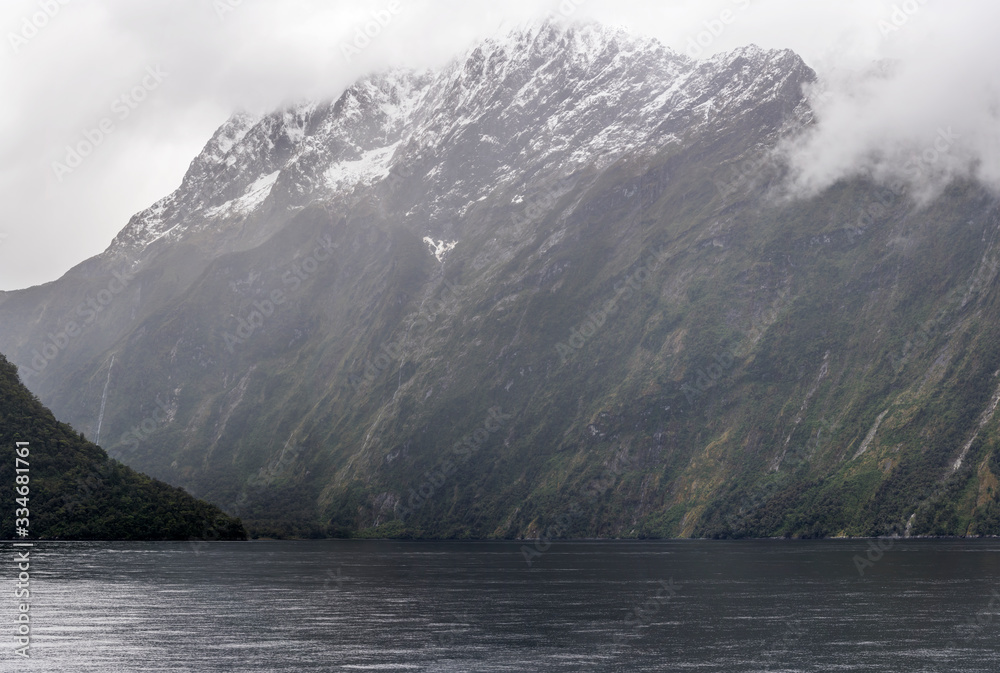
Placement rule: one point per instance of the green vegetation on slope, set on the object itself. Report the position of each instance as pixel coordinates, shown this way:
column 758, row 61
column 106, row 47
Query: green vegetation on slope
column 764, row 367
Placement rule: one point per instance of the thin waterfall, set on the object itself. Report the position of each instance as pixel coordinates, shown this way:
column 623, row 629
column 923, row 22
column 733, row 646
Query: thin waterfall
column 104, row 399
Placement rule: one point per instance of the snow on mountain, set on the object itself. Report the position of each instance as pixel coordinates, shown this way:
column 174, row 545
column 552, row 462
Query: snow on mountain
column 372, row 165
column 541, row 100
column 249, row 201
column 439, row 248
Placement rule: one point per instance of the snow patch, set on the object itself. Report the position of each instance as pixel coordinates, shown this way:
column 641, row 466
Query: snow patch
column 439, row 248
column 251, row 199
column 372, row 165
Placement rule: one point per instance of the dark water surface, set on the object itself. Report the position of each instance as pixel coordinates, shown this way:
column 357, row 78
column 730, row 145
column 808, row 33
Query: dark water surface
column 702, row 606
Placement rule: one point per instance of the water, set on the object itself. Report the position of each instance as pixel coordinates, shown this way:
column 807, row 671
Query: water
column 449, row 606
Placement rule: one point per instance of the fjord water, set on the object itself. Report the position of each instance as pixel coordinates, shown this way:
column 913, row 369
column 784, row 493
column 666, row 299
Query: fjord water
column 922, row 605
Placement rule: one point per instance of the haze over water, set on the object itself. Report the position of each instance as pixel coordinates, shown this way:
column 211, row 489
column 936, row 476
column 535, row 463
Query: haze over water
column 455, row 606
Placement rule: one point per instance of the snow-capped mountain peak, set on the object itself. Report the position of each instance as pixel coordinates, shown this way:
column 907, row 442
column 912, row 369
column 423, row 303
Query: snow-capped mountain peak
column 545, row 98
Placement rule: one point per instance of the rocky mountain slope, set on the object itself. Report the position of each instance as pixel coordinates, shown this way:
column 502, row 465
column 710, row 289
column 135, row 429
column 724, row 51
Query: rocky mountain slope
column 551, row 289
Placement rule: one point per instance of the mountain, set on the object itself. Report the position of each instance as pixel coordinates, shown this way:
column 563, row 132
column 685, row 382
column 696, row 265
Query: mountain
column 72, row 490
column 554, row 288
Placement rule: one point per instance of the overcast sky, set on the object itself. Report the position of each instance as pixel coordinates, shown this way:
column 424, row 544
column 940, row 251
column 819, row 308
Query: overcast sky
column 150, row 80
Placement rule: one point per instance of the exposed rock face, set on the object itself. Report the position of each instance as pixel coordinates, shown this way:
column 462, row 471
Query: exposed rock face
column 575, row 229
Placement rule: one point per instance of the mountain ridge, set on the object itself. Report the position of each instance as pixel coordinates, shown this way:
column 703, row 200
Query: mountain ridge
column 577, row 229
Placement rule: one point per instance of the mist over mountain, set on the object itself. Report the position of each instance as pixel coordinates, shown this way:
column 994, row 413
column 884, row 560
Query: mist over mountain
column 558, row 287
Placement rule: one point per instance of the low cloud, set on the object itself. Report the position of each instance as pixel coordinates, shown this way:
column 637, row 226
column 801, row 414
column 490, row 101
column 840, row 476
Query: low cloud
column 926, row 115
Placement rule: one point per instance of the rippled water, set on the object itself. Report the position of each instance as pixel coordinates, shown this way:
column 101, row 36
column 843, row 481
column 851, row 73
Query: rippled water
column 440, row 606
